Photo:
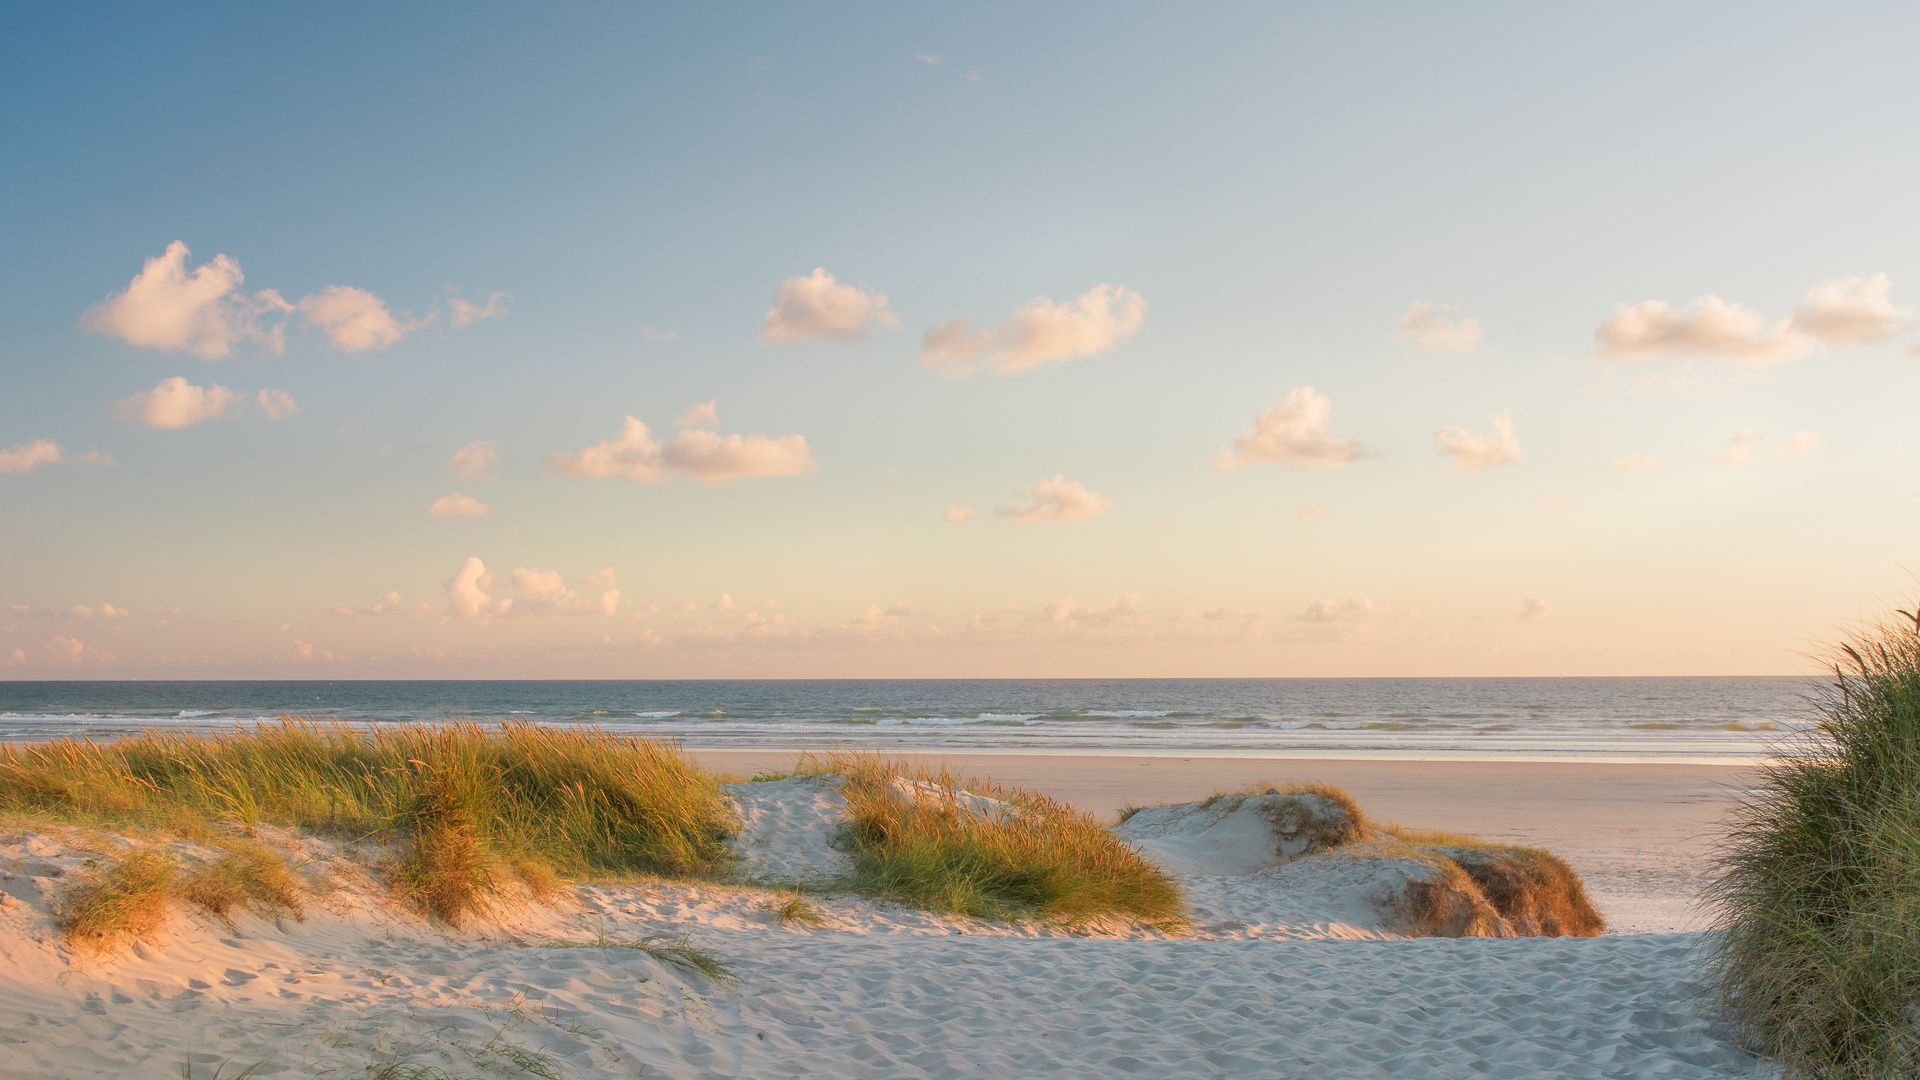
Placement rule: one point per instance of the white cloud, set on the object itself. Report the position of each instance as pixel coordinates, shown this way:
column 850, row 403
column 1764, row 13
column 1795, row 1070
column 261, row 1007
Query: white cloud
column 1352, row 609
column 818, row 308
column 1745, row 446
column 68, row 650
column 108, row 611
column 1473, row 452
column 474, row 461
column 716, row 458
column 1533, row 608
column 1852, row 310
column 957, row 513
column 1058, row 499
column 386, row 605
column 466, row 314
column 1434, row 328
column 203, row 312
column 1040, row 331
column 537, row 594
column 79, row 611
column 1634, row 463
column 633, row 456
column 355, row 320
column 927, row 58
column 700, row 416
column 275, row 404
column 25, row 456
column 1297, row 433
column 455, row 504
column 176, row 403
column 466, row 596
column 604, row 579
column 724, row 604
column 697, row 452
column 1709, row 326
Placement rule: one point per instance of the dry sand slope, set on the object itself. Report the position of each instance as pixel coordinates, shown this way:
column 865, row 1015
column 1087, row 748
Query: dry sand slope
column 877, row 991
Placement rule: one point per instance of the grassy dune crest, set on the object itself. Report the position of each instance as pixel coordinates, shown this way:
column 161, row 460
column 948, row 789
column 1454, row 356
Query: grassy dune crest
column 1818, row 956
column 914, row 839
column 470, row 807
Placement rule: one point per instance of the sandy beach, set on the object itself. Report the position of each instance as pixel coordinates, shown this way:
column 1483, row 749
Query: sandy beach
column 1263, row 985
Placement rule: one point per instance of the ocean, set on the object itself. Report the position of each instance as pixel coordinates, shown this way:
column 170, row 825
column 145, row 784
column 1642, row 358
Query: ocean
column 1707, row 719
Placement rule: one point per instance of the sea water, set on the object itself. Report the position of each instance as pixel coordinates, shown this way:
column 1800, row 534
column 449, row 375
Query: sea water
column 1707, row 719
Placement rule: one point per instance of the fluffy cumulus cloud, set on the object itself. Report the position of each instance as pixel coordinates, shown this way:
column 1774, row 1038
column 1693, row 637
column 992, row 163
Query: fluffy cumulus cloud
column 202, row 312
column 696, row 451
column 275, row 404
column 1533, row 609
column 474, row 461
column 1438, row 328
column 817, row 308
column 1058, row 499
column 176, row 403
column 1746, row 447
column 26, row 456
column 454, row 504
column 464, row 313
column 1635, row 463
column 1297, row 433
column 66, row 650
column 1854, row 310
column 1474, row 452
column 1039, row 332
column 958, row 513
column 353, row 319
column 471, row 594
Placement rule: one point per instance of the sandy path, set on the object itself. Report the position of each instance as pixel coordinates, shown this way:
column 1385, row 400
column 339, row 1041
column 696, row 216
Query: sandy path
column 1639, row 835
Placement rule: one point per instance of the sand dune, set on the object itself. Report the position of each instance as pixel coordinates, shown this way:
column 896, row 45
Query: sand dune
column 1299, row 980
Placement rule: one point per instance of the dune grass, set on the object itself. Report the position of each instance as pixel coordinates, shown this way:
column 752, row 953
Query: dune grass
column 794, row 908
column 914, row 839
column 1818, row 945
column 470, row 807
column 124, row 899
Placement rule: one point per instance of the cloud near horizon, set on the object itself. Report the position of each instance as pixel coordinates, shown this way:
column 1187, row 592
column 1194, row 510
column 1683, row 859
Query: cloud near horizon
column 1434, row 328
column 1852, row 310
column 1296, row 433
column 1039, row 332
column 702, row 454
column 176, row 403
column 1058, row 499
column 536, row 594
column 1473, row 452
column 474, row 461
column 1352, row 609
column 355, row 320
column 815, row 307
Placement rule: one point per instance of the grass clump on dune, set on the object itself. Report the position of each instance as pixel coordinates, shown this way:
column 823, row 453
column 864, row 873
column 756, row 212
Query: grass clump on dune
column 1818, row 950
column 975, row 848
column 471, row 808
column 128, row 898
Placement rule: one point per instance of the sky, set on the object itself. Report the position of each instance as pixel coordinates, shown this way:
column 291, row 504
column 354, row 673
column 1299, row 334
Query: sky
column 990, row 340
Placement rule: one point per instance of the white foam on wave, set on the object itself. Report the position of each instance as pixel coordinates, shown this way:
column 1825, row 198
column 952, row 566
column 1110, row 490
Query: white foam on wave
column 657, row 715
column 1128, row 713
column 188, row 714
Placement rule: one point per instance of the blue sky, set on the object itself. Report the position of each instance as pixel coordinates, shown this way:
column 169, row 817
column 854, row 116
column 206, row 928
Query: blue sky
column 1277, row 184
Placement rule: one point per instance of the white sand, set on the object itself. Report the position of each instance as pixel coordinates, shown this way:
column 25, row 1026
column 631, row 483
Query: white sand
column 1266, row 988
